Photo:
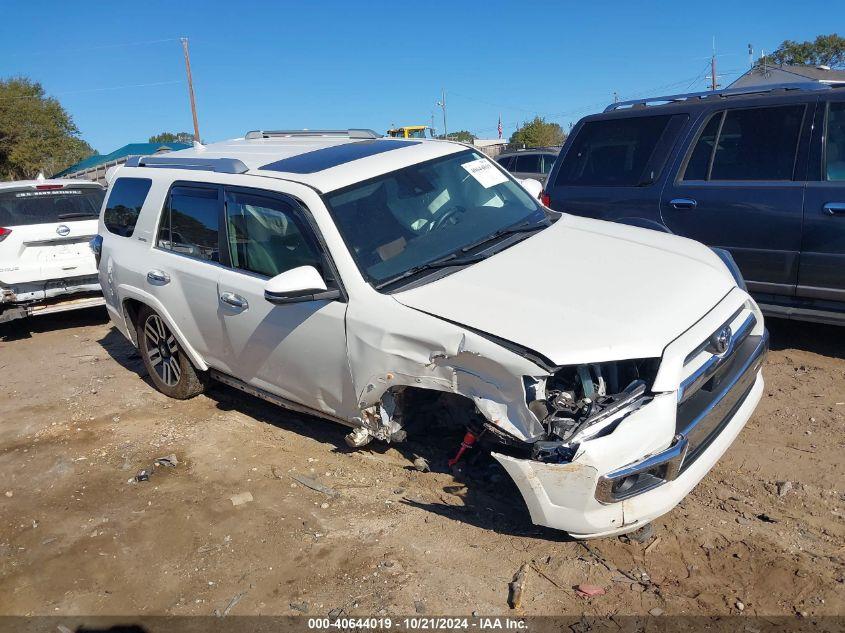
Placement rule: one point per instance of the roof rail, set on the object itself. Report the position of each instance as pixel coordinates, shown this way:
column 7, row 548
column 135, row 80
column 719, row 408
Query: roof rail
column 727, row 92
column 350, row 133
column 220, row 165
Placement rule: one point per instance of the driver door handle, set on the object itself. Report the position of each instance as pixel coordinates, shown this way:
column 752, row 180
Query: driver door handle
column 683, row 203
column 834, row 208
column 236, row 301
column 158, row 277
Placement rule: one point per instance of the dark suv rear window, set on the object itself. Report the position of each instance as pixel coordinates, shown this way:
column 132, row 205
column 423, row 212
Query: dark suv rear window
column 612, row 153
column 43, row 206
column 125, row 201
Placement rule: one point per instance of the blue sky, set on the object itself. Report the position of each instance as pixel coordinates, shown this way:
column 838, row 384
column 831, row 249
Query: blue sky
column 118, row 69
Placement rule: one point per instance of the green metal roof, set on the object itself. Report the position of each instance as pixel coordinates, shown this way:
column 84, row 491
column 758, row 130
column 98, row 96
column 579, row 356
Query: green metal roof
column 144, row 149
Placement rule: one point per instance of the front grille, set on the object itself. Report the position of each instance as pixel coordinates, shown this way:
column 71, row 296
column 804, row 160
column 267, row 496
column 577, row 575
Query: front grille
column 713, row 391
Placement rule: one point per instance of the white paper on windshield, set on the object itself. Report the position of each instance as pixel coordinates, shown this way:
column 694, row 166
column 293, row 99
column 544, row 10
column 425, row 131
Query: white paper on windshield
column 484, row 172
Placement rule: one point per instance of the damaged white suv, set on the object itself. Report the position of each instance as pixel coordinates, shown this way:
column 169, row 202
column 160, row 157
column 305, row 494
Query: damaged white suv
column 355, row 277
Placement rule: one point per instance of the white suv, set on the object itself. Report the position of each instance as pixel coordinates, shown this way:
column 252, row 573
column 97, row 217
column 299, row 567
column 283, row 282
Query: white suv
column 46, row 263
column 359, row 278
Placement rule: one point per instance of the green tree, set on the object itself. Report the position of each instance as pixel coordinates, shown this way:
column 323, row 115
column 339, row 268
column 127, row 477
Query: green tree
column 170, row 137
column 461, row 136
column 826, row 50
column 36, row 133
column 538, row 133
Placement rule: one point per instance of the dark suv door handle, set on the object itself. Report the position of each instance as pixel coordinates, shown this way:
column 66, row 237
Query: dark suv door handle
column 683, row 203
column 835, row 208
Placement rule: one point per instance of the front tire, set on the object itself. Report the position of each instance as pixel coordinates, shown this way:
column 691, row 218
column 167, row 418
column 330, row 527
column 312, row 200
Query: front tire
column 169, row 367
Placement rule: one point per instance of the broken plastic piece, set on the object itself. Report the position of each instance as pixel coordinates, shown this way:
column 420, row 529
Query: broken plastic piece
column 358, row 437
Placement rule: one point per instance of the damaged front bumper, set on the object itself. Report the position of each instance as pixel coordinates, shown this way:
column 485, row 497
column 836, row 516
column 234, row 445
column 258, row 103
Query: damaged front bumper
column 586, row 498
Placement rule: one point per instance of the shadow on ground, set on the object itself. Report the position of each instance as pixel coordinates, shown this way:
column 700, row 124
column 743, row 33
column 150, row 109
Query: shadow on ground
column 825, row 340
column 25, row 328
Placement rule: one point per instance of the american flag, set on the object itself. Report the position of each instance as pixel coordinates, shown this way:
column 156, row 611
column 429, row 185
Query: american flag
column 500, row 126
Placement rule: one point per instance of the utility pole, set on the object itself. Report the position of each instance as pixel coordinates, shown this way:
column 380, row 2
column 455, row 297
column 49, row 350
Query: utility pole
column 713, row 84
column 191, row 89
column 615, row 97
column 442, row 105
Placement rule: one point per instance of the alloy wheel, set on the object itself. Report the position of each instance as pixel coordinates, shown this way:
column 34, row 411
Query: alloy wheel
column 162, row 350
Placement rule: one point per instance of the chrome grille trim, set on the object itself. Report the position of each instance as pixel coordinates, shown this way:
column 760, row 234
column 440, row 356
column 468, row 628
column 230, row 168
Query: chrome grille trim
column 700, row 376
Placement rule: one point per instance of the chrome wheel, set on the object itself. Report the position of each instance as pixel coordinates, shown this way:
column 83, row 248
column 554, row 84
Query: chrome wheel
column 162, row 350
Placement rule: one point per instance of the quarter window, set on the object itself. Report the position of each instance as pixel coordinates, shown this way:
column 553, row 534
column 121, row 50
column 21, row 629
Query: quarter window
column 835, row 142
column 266, row 235
column 613, row 152
column 124, row 205
column 190, row 223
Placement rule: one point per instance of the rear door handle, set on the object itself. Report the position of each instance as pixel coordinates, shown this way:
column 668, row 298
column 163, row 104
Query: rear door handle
column 158, row 277
column 236, row 301
column 834, row 208
column 683, row 203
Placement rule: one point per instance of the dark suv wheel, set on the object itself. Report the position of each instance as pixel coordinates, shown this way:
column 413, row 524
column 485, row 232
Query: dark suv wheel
column 169, row 367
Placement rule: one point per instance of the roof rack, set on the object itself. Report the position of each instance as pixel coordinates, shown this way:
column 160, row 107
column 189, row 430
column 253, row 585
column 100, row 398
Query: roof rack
column 712, row 94
column 350, row 133
column 219, row 165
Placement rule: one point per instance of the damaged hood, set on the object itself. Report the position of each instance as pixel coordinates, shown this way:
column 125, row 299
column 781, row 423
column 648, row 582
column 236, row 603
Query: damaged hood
column 583, row 291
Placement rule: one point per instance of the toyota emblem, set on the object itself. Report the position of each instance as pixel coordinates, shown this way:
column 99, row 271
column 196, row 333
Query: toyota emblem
column 720, row 340
column 63, row 229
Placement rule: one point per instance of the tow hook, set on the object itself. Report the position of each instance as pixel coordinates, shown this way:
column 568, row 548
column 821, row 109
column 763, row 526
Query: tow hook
column 470, row 438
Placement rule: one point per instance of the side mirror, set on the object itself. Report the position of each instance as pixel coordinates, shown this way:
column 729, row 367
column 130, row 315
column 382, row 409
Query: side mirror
column 297, row 285
column 532, row 186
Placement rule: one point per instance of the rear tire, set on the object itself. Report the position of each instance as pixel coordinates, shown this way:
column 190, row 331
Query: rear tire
column 169, row 367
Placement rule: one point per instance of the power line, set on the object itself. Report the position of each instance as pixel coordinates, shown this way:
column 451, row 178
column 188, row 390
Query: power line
column 95, row 48
column 73, row 92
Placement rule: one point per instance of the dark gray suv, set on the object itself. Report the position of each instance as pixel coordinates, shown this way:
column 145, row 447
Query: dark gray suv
column 758, row 171
column 529, row 163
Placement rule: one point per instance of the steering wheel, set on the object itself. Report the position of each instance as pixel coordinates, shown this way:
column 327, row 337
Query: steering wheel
column 446, row 215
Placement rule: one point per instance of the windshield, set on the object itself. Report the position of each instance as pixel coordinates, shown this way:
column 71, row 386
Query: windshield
column 43, row 206
column 422, row 213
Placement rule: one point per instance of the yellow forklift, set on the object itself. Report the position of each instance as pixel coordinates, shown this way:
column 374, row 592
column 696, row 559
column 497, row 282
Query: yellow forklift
column 411, row 131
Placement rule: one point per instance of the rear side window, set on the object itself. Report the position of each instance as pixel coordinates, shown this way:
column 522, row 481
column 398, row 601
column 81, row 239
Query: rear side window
column 612, row 153
column 835, row 149
column 527, row 162
column 752, row 144
column 266, row 236
column 124, row 205
column 49, row 204
column 548, row 161
column 190, row 223
column 505, row 161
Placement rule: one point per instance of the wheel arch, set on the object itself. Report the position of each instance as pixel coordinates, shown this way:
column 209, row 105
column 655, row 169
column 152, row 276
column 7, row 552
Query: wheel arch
column 132, row 301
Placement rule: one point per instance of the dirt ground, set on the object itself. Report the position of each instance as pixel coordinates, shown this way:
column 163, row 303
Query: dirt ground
column 229, row 529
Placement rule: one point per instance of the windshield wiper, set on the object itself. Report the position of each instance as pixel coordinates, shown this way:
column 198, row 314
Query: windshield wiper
column 445, row 262
column 68, row 216
column 511, row 230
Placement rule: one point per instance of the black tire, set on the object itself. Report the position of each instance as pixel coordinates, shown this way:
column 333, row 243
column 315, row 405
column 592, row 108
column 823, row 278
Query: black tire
column 169, row 367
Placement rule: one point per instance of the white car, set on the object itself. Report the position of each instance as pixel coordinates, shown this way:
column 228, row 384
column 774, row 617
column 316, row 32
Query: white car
column 46, row 263
column 358, row 278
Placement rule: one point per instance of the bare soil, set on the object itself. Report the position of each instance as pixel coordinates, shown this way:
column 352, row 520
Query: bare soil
column 78, row 535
